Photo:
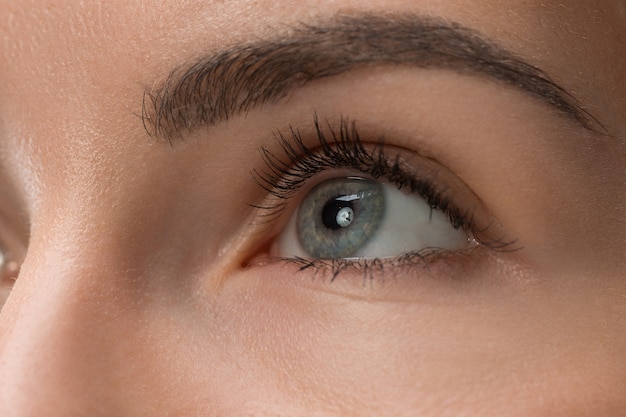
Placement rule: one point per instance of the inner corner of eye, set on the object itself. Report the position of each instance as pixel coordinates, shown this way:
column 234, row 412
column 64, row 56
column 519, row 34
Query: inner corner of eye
column 356, row 217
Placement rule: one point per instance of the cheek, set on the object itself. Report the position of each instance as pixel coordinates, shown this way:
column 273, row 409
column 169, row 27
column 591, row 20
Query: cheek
column 339, row 354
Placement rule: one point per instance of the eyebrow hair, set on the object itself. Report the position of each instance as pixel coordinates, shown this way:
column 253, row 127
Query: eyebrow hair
column 239, row 78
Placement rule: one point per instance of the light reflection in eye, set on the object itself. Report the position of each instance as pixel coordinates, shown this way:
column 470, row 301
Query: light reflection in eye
column 355, row 217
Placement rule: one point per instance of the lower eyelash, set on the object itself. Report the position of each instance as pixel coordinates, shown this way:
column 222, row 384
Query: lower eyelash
column 379, row 269
column 376, row 268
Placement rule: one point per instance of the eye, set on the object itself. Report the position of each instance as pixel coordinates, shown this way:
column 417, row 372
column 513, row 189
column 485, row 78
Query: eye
column 12, row 252
column 355, row 217
column 349, row 204
column 9, row 269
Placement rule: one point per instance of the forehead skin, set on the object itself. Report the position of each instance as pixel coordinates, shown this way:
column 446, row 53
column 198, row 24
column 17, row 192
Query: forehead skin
column 575, row 41
column 75, row 154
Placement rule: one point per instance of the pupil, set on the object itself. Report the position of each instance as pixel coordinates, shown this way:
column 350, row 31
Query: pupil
column 337, row 214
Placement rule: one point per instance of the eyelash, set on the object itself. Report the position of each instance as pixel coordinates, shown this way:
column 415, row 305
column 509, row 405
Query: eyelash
column 344, row 149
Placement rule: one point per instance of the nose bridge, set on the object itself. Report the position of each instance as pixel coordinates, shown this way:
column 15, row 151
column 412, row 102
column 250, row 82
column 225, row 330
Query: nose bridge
column 80, row 320
column 57, row 330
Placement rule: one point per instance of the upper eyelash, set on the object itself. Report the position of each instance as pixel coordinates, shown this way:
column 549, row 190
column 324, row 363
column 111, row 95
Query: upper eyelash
column 282, row 180
column 344, row 149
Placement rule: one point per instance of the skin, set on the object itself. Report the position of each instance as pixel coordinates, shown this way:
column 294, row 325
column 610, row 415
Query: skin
column 135, row 296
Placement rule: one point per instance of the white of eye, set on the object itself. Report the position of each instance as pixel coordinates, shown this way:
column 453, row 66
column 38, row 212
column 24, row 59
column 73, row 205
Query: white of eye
column 408, row 225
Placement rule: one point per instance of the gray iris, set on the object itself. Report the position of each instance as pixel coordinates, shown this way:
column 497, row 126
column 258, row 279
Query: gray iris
column 339, row 216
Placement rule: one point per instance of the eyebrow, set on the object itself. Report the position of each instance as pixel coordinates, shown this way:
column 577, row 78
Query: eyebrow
column 242, row 77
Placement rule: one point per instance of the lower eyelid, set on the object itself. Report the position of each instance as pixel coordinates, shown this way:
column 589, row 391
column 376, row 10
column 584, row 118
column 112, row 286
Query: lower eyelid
column 407, row 278
column 417, row 266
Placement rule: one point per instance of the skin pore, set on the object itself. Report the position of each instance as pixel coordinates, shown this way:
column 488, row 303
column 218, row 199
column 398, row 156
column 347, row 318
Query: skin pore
column 149, row 282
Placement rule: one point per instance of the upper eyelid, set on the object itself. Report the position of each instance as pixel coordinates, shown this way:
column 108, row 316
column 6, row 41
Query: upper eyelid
column 337, row 149
column 283, row 181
